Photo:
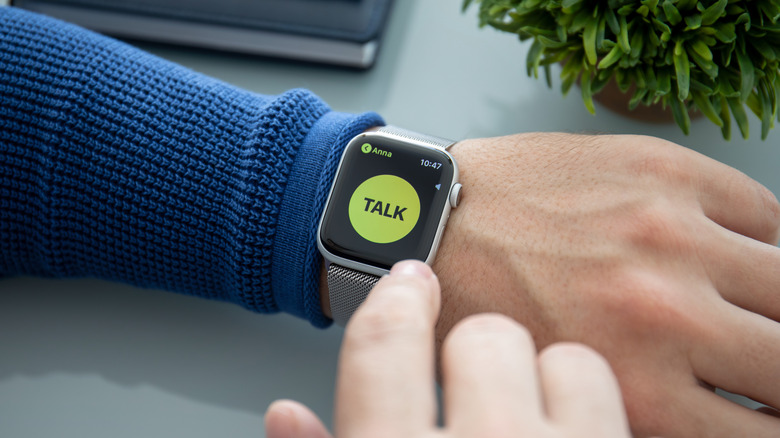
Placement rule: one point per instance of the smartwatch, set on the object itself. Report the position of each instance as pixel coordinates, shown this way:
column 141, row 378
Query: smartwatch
column 389, row 201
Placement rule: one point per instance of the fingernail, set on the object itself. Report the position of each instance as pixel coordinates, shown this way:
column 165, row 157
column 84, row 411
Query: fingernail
column 412, row 267
column 281, row 420
column 281, row 407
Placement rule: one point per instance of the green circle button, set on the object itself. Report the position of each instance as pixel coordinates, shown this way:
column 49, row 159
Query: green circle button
column 384, row 209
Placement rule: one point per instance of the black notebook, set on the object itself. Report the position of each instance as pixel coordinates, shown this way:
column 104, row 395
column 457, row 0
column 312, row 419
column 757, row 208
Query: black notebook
column 341, row 32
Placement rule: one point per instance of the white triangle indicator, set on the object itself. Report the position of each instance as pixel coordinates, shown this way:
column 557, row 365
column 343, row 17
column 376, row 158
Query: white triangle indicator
column 438, row 186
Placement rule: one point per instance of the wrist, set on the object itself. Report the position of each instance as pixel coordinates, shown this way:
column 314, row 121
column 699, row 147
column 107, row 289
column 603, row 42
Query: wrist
column 474, row 253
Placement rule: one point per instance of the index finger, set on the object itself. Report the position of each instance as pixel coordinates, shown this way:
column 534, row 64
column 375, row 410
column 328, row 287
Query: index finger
column 726, row 196
column 737, row 202
column 386, row 369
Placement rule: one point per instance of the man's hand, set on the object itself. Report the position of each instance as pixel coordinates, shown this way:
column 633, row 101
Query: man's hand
column 662, row 260
column 494, row 384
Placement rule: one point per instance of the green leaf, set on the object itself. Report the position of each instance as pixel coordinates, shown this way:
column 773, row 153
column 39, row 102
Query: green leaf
column 777, row 98
column 744, row 18
column 726, row 54
column 598, row 83
column 569, row 4
column 712, row 13
column 548, row 76
column 773, row 94
column 661, row 26
column 703, row 103
column 680, row 115
column 682, row 69
column 533, row 57
column 612, row 21
column 664, row 82
column 549, row 33
column 589, row 41
column 725, row 87
column 734, row 9
column 600, row 34
column 707, row 66
column 622, row 80
column 701, row 49
column 636, row 99
column 550, row 43
column 765, row 49
column 671, row 12
column 562, row 34
column 652, row 80
column 687, row 5
column 580, row 21
column 587, row 95
column 567, row 83
column 693, row 22
column 739, row 116
column 747, row 73
column 570, row 72
column 704, row 88
column 725, row 115
column 587, row 92
column 639, row 79
column 612, row 57
column 652, row 5
column 770, row 9
column 626, row 10
column 726, row 32
column 767, row 115
column 637, row 43
column 707, row 30
column 623, row 36
column 530, row 4
column 753, row 102
column 497, row 10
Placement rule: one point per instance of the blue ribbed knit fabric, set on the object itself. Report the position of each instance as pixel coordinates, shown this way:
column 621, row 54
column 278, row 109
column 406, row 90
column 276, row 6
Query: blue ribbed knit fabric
column 119, row 165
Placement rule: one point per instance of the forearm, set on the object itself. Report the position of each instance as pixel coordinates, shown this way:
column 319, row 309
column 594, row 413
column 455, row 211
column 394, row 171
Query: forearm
column 119, row 165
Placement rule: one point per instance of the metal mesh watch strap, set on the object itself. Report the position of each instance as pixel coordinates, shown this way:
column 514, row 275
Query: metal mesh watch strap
column 431, row 140
column 347, row 288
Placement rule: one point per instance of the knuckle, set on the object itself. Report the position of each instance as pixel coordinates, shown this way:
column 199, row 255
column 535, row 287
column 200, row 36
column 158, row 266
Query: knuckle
column 772, row 208
column 649, row 305
column 657, row 227
column 663, row 164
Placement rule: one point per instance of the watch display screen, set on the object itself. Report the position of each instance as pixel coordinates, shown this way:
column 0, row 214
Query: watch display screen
column 387, row 201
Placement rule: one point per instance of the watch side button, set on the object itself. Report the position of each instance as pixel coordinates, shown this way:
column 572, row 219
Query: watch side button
column 455, row 194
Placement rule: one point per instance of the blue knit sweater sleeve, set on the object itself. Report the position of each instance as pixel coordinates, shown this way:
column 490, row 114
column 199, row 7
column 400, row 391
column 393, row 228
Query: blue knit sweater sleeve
column 119, row 165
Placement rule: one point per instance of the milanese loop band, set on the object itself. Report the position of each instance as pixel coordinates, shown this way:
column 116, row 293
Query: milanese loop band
column 348, row 288
column 431, row 140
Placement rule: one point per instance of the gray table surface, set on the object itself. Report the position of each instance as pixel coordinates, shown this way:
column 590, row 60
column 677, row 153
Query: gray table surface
column 83, row 358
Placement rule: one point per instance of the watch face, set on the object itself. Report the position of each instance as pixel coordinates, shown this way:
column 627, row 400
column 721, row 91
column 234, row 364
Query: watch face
column 387, row 202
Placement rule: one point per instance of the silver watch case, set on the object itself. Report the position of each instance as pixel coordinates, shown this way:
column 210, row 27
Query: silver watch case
column 422, row 141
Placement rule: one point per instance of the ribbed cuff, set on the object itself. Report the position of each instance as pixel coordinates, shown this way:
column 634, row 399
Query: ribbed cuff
column 295, row 267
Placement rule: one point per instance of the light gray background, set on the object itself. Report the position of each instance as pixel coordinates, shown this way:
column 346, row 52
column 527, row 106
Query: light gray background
column 85, row 358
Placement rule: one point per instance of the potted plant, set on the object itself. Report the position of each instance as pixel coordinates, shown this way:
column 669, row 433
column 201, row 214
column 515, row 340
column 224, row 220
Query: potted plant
column 715, row 56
